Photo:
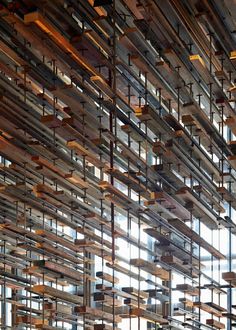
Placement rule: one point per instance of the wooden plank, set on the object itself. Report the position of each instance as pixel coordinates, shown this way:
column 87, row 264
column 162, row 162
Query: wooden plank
column 44, row 25
column 230, row 316
column 82, row 151
column 51, row 121
column 105, row 327
column 151, row 74
column 231, row 123
column 166, row 244
column 114, row 290
column 147, row 315
column 217, row 204
column 230, row 277
column 183, row 228
column 28, row 319
column 106, row 299
column 38, row 273
column 107, row 277
column 56, row 238
column 188, row 289
column 90, row 233
column 158, row 295
column 54, row 293
column 101, row 84
column 170, row 203
column 134, row 303
column 84, row 242
column 205, row 307
column 47, row 327
column 129, row 180
column 106, row 186
column 75, row 179
column 179, row 264
column 232, row 161
column 56, row 250
column 96, row 314
column 61, row 269
column 137, row 293
column 216, row 306
column 186, row 302
column 199, row 210
column 124, row 270
column 12, row 54
column 132, row 133
column 200, row 66
column 150, row 268
column 53, row 307
column 147, row 114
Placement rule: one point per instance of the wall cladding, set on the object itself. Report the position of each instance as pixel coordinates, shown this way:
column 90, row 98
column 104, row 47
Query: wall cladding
column 117, row 176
